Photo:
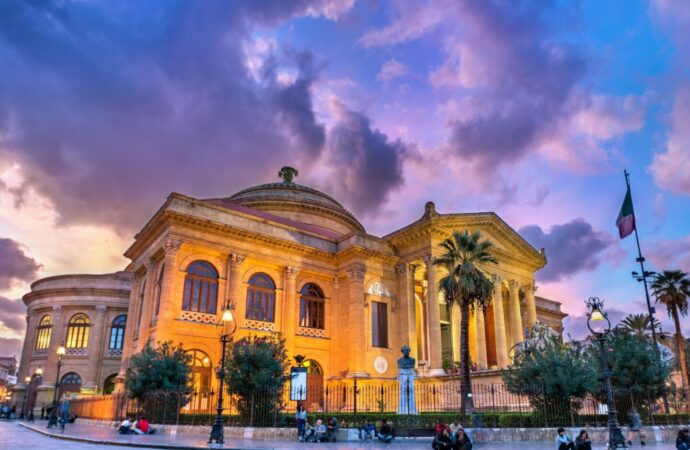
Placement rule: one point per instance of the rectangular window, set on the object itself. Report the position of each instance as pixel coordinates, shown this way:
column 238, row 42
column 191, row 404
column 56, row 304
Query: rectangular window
column 379, row 324
column 312, row 313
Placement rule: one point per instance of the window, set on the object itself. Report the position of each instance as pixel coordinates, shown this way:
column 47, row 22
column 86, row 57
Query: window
column 78, row 331
column 200, row 288
column 311, row 307
column 71, row 378
column 117, row 332
column 159, row 288
column 379, row 324
column 109, row 384
column 261, row 298
column 45, row 328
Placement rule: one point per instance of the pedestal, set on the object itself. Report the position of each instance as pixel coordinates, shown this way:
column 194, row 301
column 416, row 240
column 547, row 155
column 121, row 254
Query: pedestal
column 406, row 397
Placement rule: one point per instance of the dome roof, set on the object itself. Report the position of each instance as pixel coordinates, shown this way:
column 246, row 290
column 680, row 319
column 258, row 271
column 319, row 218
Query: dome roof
column 300, row 203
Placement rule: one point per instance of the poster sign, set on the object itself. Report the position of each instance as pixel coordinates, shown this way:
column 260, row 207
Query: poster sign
column 298, row 383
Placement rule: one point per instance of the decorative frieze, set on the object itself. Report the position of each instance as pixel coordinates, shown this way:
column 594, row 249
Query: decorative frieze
column 193, row 316
column 113, row 353
column 311, row 332
column 356, row 275
column 76, row 352
column 259, row 325
column 379, row 289
column 42, row 353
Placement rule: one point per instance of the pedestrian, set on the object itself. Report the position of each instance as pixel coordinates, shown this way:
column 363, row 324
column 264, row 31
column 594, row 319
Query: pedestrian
column 386, row 432
column 43, row 412
column 462, row 440
column 563, row 440
column 368, row 431
column 635, row 426
column 142, row 426
column 331, row 429
column 582, row 441
column 300, row 420
column 442, row 440
column 64, row 412
column 683, row 440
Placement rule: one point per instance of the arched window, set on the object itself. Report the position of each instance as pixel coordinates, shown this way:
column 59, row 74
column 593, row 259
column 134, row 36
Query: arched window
column 159, row 288
column 45, row 328
column 109, row 384
column 71, row 378
column 200, row 288
column 261, row 298
column 78, row 331
column 117, row 332
column 312, row 307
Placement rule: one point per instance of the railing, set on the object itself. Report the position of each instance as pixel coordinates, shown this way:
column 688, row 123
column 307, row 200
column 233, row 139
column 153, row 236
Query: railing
column 494, row 406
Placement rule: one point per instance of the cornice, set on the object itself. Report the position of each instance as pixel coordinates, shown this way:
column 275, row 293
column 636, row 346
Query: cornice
column 76, row 292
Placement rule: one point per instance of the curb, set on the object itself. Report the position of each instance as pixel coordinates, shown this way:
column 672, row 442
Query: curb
column 127, row 444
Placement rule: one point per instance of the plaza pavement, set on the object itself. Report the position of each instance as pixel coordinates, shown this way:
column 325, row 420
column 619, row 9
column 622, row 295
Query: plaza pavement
column 29, row 436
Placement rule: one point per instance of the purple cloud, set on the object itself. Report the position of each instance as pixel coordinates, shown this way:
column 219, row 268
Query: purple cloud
column 571, row 248
column 12, row 314
column 14, row 264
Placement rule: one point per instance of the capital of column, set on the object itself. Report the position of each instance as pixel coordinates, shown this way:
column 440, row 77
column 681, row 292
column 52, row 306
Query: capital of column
column 291, row 272
column 404, row 269
column 428, row 260
column 529, row 287
column 236, row 260
column 514, row 285
column 336, row 282
column 150, row 263
column 171, row 246
column 101, row 309
column 497, row 279
column 356, row 275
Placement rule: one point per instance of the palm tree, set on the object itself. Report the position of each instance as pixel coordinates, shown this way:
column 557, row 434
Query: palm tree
column 637, row 324
column 466, row 285
column 672, row 288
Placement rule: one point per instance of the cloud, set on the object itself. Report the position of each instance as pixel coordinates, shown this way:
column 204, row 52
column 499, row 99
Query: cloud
column 571, row 248
column 367, row 165
column 12, row 315
column 11, row 346
column 670, row 254
column 108, row 107
column 391, row 69
column 15, row 265
column 576, row 326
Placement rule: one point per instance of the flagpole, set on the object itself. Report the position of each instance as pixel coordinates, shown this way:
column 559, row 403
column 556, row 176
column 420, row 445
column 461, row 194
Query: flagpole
column 641, row 260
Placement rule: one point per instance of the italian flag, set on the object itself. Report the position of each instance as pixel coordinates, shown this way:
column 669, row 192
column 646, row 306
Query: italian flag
column 626, row 218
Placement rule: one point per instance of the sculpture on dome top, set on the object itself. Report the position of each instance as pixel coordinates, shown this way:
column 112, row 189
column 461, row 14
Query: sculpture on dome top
column 288, row 173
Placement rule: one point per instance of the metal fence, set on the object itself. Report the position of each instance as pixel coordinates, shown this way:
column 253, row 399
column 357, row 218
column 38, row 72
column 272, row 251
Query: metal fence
column 494, row 406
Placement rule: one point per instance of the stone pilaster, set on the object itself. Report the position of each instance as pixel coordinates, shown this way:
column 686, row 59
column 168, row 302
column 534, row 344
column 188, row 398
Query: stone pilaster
column 57, row 337
column 515, row 314
column 128, row 342
column 499, row 323
column 408, row 326
column 531, row 305
column 289, row 322
column 166, row 308
column 356, row 323
column 480, row 335
column 147, row 305
column 29, row 346
column 233, row 294
column 433, row 319
column 96, row 348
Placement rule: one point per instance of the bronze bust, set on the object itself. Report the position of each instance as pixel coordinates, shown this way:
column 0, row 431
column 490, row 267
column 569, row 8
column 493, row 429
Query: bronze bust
column 406, row 361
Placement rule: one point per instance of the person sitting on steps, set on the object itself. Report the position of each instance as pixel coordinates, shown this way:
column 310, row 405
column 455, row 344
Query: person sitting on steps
column 386, row 432
column 582, row 441
column 563, row 440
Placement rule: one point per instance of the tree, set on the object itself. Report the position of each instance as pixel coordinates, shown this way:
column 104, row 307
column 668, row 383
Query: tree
column 256, row 373
column 466, row 285
column 554, row 376
column 638, row 324
column 160, row 376
column 672, row 289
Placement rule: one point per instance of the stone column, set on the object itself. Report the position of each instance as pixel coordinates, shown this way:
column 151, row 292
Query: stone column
column 233, row 294
column 455, row 329
column 531, row 306
column 28, row 347
column 407, row 327
column 290, row 307
column 147, row 304
column 515, row 314
column 128, row 341
column 433, row 319
column 356, row 323
column 95, row 348
column 166, row 308
column 499, row 324
column 480, row 335
column 57, row 337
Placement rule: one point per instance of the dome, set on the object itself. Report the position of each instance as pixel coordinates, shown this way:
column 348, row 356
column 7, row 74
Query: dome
column 299, row 203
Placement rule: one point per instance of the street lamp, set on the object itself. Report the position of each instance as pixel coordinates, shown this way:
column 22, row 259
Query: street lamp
column 225, row 321
column 600, row 326
column 53, row 419
column 27, row 380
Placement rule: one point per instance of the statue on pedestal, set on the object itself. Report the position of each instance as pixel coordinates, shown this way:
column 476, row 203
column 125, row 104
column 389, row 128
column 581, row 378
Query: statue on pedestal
column 406, row 376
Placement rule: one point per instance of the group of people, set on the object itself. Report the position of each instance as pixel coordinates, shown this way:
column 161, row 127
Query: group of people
column 384, row 434
column 683, row 440
column 582, row 441
column 139, row 426
column 450, row 437
column 319, row 432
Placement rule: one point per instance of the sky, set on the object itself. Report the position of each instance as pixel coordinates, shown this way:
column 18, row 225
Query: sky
column 530, row 109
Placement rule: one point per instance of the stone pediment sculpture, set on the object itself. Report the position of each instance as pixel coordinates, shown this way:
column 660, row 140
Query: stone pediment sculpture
column 288, row 174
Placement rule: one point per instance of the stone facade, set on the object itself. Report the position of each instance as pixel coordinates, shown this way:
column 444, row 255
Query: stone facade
column 291, row 260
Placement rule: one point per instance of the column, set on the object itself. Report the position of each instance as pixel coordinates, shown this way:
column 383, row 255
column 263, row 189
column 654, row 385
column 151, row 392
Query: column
column 433, row 319
column 531, row 306
column 356, row 323
column 289, row 322
column 515, row 314
column 95, row 348
column 455, row 329
column 147, row 304
column 128, row 342
column 167, row 307
column 233, row 294
column 499, row 323
column 407, row 327
column 28, row 347
column 480, row 335
column 57, row 338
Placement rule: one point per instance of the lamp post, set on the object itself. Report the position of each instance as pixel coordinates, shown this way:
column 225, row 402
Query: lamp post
column 600, row 326
column 52, row 420
column 27, row 380
column 216, row 438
